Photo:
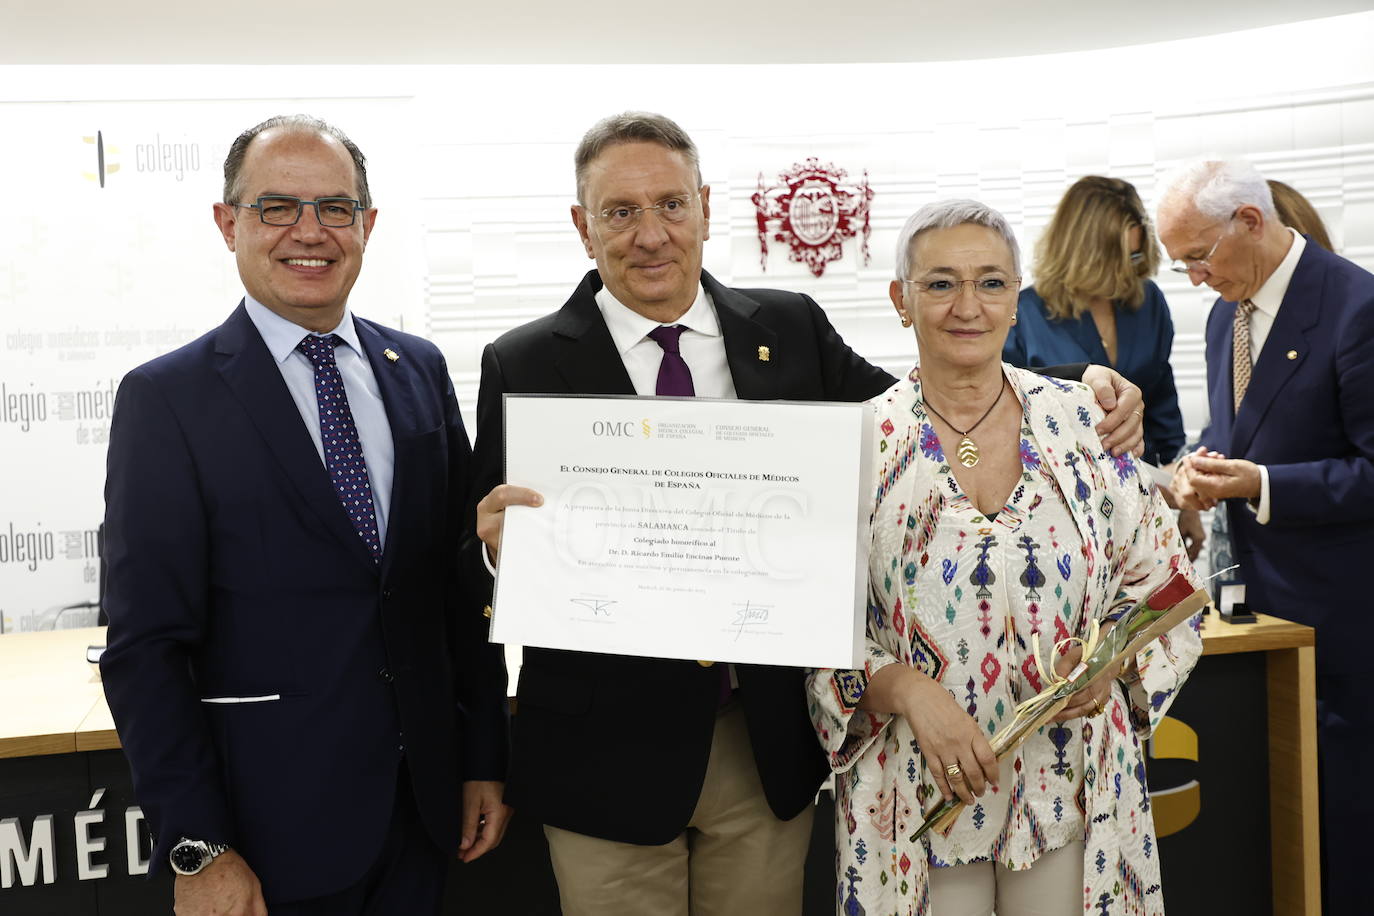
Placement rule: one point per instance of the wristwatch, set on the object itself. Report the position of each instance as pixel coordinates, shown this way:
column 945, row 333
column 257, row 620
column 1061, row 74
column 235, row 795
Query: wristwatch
column 189, row 857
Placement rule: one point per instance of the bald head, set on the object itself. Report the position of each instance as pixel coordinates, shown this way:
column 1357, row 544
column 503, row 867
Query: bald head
column 297, row 123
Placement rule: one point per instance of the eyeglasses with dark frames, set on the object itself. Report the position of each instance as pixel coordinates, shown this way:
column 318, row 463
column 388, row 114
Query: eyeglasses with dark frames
column 281, row 210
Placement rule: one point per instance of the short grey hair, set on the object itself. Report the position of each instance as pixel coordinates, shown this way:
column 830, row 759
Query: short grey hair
column 946, row 214
column 296, row 123
column 1217, row 188
column 632, row 127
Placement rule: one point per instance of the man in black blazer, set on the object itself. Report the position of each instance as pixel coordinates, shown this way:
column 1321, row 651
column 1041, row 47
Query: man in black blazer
column 312, row 714
column 665, row 786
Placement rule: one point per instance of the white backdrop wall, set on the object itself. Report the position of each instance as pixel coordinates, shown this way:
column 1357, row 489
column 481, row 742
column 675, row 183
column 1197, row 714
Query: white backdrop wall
column 471, row 167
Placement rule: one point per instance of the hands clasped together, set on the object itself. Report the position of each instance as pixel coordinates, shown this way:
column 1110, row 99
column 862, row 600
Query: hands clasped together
column 1204, row 478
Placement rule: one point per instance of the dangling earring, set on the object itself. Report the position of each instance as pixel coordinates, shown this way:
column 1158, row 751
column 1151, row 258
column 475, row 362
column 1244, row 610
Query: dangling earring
column 1013, row 320
column 906, row 320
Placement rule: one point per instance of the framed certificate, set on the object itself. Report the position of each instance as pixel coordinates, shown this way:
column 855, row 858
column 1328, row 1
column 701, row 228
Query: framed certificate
column 691, row 528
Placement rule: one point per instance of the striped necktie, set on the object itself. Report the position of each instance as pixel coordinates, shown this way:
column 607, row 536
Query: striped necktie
column 1241, row 363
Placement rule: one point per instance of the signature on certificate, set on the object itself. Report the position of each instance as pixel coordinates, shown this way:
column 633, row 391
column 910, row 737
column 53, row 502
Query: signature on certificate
column 749, row 615
column 598, row 606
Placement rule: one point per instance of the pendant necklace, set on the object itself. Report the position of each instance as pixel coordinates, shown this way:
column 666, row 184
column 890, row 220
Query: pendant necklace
column 967, row 452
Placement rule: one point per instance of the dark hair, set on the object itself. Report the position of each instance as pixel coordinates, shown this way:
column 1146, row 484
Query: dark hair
column 238, row 151
column 632, row 127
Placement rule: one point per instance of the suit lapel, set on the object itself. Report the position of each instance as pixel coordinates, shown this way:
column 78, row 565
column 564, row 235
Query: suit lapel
column 584, row 352
column 250, row 372
column 1299, row 314
column 751, row 350
column 396, row 381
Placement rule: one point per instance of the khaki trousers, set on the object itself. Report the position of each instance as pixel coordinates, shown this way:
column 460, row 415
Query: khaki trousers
column 1053, row 886
column 734, row 859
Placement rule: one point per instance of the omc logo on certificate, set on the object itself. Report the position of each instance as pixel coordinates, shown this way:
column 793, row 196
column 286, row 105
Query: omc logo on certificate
column 621, row 429
column 650, row 428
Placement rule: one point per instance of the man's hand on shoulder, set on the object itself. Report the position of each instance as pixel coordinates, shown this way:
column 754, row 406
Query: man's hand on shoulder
column 485, row 817
column 227, row 887
column 1123, row 428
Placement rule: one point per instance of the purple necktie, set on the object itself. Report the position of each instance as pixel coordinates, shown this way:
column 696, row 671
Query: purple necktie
column 673, row 375
column 675, row 378
column 343, row 452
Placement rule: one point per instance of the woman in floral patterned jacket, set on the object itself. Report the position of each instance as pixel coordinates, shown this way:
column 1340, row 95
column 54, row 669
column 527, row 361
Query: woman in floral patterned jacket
column 998, row 523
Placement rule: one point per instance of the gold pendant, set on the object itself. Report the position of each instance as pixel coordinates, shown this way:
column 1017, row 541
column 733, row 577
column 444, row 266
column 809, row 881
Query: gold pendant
column 968, row 452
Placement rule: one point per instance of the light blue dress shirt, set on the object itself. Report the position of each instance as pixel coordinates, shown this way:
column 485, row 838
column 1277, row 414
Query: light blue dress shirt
column 360, row 384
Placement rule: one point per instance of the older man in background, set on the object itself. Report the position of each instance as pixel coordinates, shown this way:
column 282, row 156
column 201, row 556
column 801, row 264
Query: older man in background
column 1289, row 455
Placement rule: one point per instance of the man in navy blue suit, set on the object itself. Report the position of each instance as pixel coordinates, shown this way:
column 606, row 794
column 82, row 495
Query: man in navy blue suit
column 312, row 714
column 1290, row 454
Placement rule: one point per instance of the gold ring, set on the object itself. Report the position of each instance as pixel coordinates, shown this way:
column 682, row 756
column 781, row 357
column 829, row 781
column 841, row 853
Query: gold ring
column 1138, row 413
column 953, row 770
column 1098, row 706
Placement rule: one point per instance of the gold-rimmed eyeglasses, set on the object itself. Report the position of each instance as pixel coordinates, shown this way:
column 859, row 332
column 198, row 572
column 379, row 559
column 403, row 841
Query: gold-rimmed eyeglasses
column 1188, row 265
column 674, row 209
column 990, row 290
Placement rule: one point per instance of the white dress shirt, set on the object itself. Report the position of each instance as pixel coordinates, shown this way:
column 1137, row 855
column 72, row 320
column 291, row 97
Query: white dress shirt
column 702, row 345
column 360, row 384
column 1267, row 301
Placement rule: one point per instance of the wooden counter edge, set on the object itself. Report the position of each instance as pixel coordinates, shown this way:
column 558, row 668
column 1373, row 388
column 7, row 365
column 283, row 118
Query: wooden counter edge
column 38, row 745
column 97, row 732
column 1264, row 635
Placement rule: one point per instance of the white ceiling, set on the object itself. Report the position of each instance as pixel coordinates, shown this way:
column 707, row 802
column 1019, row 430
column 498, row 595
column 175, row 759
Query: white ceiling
column 611, row 31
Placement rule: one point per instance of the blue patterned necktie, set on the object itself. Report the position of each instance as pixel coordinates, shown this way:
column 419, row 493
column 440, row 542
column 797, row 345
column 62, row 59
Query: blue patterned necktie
column 343, row 451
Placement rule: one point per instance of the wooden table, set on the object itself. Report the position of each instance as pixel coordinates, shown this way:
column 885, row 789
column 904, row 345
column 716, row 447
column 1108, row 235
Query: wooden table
column 52, row 691
column 58, row 707
column 1291, row 672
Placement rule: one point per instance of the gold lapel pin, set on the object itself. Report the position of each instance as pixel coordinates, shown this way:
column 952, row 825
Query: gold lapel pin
column 1292, row 354
column 391, row 354
column 763, row 354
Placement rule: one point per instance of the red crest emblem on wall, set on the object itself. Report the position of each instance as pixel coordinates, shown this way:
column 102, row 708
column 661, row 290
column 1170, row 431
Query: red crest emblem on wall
column 812, row 210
